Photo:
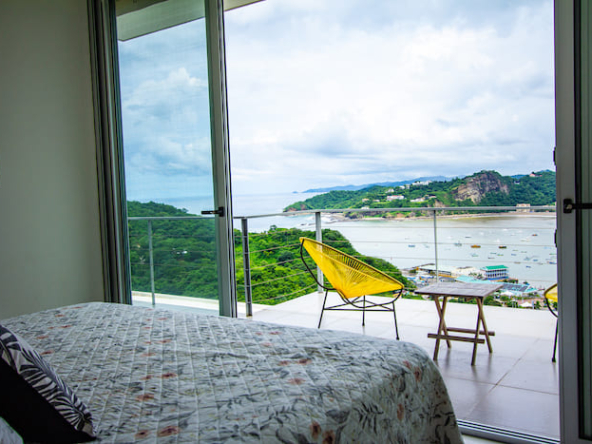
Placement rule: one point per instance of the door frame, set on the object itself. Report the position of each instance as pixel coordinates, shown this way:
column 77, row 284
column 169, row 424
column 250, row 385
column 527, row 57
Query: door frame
column 227, row 291
column 108, row 136
column 109, row 145
column 566, row 101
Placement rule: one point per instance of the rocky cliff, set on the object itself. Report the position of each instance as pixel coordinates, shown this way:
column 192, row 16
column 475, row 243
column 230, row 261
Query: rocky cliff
column 476, row 186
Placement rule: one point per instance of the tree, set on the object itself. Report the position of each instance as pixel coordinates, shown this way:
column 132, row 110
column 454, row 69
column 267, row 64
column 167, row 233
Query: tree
column 184, row 257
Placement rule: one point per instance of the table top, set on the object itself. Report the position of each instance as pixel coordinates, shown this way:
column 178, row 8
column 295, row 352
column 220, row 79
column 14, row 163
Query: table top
column 459, row 289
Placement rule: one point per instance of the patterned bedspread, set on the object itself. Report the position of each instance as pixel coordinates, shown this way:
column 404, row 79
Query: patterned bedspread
column 163, row 376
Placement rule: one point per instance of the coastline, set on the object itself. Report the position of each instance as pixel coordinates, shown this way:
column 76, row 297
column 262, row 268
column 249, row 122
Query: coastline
column 340, row 217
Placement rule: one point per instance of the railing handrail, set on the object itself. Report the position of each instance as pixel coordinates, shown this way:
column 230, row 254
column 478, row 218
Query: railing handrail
column 361, row 210
column 168, row 217
column 403, row 209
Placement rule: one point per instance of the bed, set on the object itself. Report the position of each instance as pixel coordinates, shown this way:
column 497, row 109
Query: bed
column 153, row 375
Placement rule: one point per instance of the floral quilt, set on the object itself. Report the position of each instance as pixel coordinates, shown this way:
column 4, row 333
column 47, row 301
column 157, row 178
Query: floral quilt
column 152, row 375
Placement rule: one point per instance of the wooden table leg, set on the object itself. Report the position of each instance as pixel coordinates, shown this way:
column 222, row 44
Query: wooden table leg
column 476, row 332
column 444, row 328
column 485, row 330
column 441, row 325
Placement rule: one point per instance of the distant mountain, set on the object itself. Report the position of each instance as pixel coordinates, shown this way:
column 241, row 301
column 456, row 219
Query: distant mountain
column 486, row 188
column 380, row 184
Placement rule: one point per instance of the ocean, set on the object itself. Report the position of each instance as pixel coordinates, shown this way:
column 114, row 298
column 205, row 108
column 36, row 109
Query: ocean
column 522, row 242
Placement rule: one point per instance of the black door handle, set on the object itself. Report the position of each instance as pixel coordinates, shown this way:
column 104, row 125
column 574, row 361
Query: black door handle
column 569, row 206
column 219, row 211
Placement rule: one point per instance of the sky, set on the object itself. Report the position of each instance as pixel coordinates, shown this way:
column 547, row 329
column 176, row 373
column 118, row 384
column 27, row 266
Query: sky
column 337, row 92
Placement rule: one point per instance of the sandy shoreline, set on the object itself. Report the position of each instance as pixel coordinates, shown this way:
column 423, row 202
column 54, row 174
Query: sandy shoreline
column 340, row 217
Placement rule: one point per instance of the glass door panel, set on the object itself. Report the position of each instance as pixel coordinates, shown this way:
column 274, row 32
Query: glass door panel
column 584, row 221
column 573, row 40
column 167, row 145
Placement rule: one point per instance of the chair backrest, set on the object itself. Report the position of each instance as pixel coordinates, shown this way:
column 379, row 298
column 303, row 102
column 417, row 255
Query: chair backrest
column 551, row 293
column 350, row 277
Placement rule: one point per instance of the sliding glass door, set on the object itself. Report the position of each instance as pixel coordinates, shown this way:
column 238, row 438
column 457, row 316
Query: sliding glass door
column 573, row 20
column 175, row 152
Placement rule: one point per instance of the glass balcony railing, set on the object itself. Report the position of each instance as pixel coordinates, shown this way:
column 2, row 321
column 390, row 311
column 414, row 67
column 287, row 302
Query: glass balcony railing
column 470, row 244
column 176, row 255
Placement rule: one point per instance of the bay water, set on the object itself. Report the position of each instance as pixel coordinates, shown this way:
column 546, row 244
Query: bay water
column 524, row 242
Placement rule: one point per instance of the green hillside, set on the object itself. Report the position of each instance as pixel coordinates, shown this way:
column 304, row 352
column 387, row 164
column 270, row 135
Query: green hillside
column 184, row 251
column 483, row 189
column 185, row 260
column 276, row 267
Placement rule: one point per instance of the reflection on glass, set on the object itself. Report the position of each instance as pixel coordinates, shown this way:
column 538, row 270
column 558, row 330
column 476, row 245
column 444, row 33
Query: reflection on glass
column 167, row 147
column 585, row 227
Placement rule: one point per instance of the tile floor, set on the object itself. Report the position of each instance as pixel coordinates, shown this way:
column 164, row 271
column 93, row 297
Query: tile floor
column 473, row 440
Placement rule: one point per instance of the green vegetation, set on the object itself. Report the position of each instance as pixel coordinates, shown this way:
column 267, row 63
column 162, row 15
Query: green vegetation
column 185, row 258
column 184, row 251
column 277, row 272
column 485, row 188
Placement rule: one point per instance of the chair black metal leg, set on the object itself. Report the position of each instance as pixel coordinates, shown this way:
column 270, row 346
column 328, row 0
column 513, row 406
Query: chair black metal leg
column 364, row 312
column 396, row 326
column 323, row 309
column 555, row 344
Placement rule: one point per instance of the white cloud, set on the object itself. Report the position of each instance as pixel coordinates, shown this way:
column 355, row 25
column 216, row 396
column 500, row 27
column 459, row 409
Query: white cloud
column 335, row 92
column 313, row 99
column 166, row 133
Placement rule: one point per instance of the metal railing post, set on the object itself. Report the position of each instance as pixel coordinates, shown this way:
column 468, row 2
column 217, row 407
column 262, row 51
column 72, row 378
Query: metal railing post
column 436, row 246
column 319, row 238
column 247, row 266
column 151, row 254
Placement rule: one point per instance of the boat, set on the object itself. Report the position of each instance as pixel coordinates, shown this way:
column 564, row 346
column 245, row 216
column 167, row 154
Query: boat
column 502, row 247
column 475, row 246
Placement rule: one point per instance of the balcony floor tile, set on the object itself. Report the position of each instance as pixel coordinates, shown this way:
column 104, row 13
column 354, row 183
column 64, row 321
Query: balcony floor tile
column 519, row 409
column 531, row 375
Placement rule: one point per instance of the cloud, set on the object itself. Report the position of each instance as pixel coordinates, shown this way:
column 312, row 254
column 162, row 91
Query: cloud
column 323, row 94
column 165, row 113
column 166, row 130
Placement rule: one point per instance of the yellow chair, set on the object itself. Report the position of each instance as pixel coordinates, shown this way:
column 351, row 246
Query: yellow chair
column 550, row 298
column 352, row 279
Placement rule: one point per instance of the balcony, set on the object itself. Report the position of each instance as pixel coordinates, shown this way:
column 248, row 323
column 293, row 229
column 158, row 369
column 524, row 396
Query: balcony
column 514, row 388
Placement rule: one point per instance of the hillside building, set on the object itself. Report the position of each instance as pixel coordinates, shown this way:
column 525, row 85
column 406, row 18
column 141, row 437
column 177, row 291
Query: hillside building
column 495, row 272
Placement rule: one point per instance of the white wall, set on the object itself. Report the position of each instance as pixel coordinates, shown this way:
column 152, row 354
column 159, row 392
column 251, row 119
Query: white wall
column 50, row 251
